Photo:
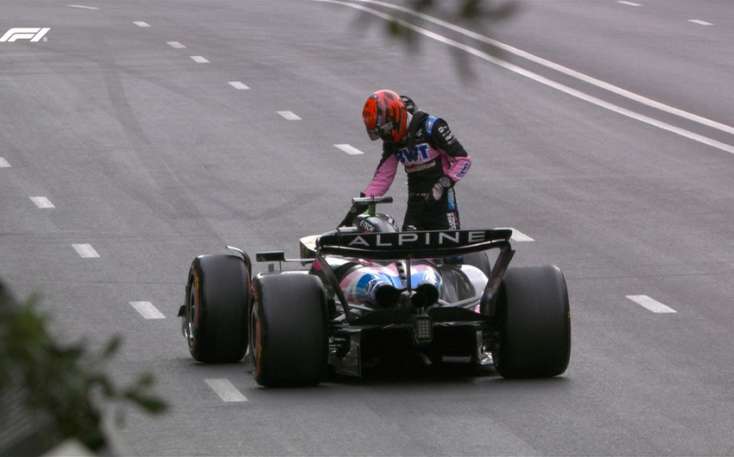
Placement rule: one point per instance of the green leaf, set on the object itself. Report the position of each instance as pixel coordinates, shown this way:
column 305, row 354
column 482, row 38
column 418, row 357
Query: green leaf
column 112, row 346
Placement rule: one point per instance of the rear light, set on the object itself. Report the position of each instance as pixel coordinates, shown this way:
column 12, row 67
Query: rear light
column 423, row 329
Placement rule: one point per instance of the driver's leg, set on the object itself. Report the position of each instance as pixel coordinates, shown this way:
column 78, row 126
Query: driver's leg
column 438, row 215
column 452, row 210
column 433, row 215
column 413, row 214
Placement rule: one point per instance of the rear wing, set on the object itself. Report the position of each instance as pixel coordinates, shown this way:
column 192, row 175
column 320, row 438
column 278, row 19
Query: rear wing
column 415, row 244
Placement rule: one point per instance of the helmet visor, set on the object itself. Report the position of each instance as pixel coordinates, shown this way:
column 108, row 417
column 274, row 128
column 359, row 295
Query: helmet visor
column 383, row 131
column 374, row 134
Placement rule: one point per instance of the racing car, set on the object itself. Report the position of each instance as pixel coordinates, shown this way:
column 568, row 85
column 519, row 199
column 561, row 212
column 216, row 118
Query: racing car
column 366, row 293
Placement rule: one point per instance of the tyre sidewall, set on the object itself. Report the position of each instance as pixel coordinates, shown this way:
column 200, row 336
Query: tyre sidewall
column 534, row 323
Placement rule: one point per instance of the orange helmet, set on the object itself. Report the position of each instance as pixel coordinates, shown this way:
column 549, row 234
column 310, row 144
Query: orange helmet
column 385, row 116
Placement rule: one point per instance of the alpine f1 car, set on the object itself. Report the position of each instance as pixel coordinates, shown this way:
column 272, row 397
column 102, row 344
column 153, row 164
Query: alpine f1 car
column 368, row 293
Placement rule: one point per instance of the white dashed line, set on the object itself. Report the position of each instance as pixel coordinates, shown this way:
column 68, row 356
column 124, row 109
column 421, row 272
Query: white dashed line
column 239, row 85
column 289, row 115
column 84, row 7
column 85, row 251
column 4, row 163
column 517, row 235
column 147, row 310
column 175, row 45
column 199, row 59
column 625, row 2
column 651, row 305
column 699, row 22
column 349, row 149
column 42, row 202
column 141, row 24
column 225, row 389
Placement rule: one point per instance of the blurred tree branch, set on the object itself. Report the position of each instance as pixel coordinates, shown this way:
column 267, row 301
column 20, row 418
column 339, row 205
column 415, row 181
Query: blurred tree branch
column 476, row 15
column 64, row 382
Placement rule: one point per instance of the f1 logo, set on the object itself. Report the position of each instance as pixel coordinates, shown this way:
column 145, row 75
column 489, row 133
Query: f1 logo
column 34, row 34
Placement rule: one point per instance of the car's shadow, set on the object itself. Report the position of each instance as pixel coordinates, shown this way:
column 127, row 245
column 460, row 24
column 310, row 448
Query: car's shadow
column 445, row 379
column 402, row 375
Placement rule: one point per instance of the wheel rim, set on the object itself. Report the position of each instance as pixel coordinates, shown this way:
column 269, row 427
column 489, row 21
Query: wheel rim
column 190, row 318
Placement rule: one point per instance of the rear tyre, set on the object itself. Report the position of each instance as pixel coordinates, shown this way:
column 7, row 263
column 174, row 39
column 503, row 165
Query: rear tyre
column 215, row 313
column 534, row 323
column 289, row 330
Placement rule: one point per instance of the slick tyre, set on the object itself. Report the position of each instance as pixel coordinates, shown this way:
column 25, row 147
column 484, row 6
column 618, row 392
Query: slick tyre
column 216, row 309
column 534, row 322
column 289, row 330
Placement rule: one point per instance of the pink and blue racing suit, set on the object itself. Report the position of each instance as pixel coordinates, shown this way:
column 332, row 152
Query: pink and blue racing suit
column 429, row 152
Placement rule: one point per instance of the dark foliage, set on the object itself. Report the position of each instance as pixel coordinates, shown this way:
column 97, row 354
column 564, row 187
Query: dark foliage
column 66, row 383
column 475, row 15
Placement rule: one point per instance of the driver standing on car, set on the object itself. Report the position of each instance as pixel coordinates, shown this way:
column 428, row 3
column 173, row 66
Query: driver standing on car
column 432, row 156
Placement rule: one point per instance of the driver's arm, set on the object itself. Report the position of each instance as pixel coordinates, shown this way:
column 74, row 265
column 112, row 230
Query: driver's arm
column 385, row 173
column 444, row 140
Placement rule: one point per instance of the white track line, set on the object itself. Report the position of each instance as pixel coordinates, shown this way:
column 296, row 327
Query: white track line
column 84, row 7
column 4, row 163
column 175, row 44
column 546, row 63
column 147, row 310
column 349, row 149
column 517, row 235
column 700, row 22
column 625, row 2
column 85, row 251
column 651, row 305
column 42, row 202
column 225, row 389
column 543, row 80
column 199, row 59
column 239, row 85
column 520, row 237
column 289, row 115
column 141, row 24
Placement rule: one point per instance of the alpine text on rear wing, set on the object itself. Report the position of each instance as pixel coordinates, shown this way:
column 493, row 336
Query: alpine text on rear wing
column 417, row 244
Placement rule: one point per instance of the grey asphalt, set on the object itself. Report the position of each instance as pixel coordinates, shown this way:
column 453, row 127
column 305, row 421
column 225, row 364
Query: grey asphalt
column 154, row 159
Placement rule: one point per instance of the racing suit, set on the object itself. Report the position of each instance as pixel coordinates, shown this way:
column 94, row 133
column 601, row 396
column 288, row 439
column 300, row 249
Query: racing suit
column 429, row 153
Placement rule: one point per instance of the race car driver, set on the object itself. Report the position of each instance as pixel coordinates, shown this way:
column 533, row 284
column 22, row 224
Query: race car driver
column 432, row 156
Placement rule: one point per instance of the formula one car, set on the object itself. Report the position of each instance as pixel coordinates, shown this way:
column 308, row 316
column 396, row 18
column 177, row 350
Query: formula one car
column 369, row 293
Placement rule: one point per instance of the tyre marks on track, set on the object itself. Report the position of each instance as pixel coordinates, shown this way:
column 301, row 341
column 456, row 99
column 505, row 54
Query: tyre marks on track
column 223, row 388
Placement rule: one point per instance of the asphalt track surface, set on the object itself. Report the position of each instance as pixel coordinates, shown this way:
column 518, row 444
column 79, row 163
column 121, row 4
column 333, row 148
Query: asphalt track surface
column 152, row 159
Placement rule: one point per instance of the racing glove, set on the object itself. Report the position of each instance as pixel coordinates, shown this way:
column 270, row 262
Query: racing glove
column 443, row 183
